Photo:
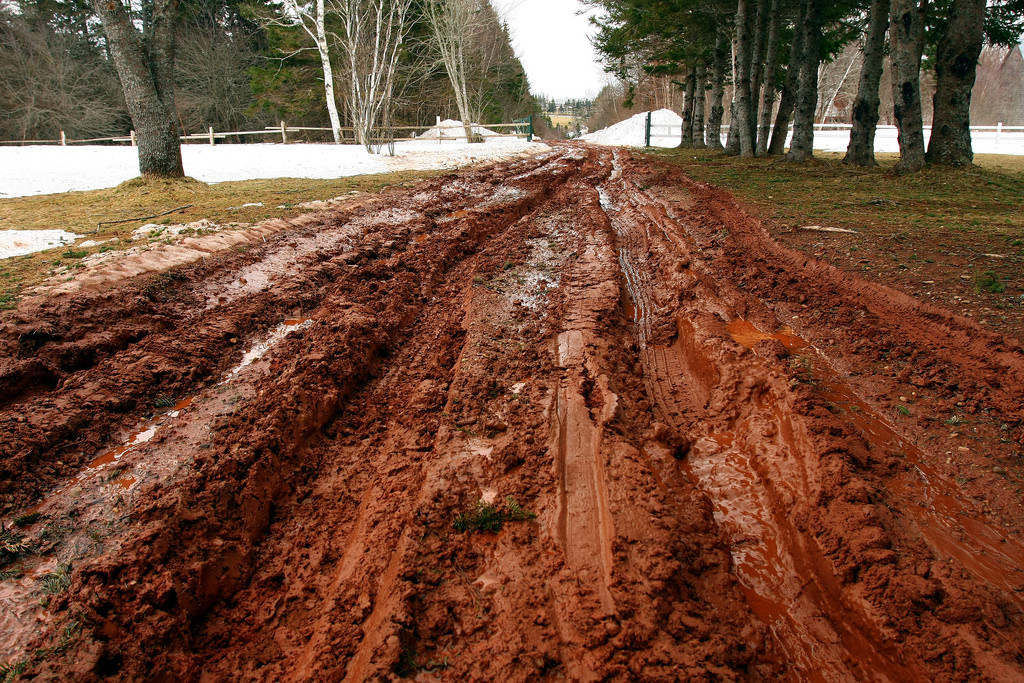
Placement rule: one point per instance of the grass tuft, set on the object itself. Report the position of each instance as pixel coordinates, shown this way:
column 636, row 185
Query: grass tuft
column 57, row 581
column 11, row 545
column 486, row 517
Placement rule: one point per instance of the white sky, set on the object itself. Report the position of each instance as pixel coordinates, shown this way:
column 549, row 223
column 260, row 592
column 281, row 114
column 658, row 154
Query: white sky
column 552, row 43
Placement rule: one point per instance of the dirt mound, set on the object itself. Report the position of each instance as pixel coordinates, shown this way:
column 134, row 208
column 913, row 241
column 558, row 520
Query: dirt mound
column 565, row 417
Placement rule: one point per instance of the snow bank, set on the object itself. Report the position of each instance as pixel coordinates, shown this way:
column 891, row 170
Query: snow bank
column 44, row 169
column 19, row 242
column 665, row 125
column 450, row 129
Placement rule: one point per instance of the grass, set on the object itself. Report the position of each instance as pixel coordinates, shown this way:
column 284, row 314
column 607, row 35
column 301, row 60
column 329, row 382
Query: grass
column 11, row 545
column 486, row 517
column 81, row 212
column 57, row 581
column 984, row 198
column 26, row 519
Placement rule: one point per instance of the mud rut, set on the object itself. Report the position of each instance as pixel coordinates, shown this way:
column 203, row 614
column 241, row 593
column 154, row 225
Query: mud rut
column 701, row 420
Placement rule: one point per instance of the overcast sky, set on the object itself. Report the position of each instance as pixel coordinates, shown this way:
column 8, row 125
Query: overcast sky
column 552, row 43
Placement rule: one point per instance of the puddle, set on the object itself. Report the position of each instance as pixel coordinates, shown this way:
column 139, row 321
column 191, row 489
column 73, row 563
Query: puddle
column 276, row 335
column 745, row 334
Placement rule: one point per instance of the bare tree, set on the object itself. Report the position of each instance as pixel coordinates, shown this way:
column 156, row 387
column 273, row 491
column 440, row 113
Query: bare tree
column 49, row 84
column 311, row 16
column 373, row 32
column 212, row 81
column 145, row 64
column 453, row 24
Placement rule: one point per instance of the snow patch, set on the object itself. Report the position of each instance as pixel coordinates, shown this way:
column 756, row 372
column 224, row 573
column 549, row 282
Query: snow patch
column 665, row 125
column 45, row 169
column 21, row 242
column 450, row 129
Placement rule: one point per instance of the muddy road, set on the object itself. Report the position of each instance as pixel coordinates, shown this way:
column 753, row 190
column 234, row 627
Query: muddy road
column 564, row 418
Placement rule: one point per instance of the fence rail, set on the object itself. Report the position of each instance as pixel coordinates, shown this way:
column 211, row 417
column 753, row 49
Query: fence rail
column 519, row 129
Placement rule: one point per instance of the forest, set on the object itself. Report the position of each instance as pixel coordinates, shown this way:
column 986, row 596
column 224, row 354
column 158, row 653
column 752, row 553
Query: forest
column 770, row 56
column 245, row 64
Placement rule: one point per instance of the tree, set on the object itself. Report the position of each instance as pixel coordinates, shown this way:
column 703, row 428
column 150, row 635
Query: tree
column 373, row 32
column 53, row 81
column 453, row 24
column 741, row 112
column 802, row 146
column 145, row 65
column 962, row 30
column 861, row 150
column 311, row 16
column 906, row 33
column 770, row 76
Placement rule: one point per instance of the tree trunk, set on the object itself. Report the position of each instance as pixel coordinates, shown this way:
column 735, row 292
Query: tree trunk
column 741, row 122
column 956, row 63
column 325, row 65
column 861, row 150
column 686, row 136
column 758, row 43
column 802, row 147
column 718, row 66
column 698, row 107
column 146, row 70
column 770, row 68
column 732, row 136
column 907, row 36
column 788, row 101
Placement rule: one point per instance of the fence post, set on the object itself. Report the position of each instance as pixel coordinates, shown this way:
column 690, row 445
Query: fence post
column 63, row 140
column 284, row 133
column 647, row 131
column 999, row 131
column 529, row 135
column 134, row 141
column 440, row 131
column 211, row 136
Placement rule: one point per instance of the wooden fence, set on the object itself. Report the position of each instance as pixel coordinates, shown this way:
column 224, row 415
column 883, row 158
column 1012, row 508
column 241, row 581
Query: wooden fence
column 289, row 134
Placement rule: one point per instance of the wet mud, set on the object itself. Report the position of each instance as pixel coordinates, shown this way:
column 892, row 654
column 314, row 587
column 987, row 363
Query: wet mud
column 716, row 458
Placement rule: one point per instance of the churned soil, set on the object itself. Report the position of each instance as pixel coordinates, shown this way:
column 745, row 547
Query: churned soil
column 571, row 417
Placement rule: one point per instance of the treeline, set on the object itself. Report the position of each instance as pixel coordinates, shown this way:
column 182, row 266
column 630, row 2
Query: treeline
column 248, row 64
column 770, row 54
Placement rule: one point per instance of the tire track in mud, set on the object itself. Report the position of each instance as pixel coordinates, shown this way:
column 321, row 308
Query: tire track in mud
column 743, row 455
column 708, row 502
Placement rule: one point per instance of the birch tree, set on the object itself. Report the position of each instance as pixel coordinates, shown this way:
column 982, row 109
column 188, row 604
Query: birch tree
column 311, row 16
column 452, row 26
column 371, row 40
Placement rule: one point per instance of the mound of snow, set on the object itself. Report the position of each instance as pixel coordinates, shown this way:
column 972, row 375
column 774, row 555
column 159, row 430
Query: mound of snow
column 450, row 129
column 665, row 130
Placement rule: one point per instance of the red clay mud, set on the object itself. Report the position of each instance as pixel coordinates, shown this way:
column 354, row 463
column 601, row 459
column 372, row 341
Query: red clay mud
column 735, row 462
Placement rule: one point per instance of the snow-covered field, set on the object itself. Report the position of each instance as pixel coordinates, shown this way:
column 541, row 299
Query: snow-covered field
column 665, row 129
column 46, row 169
